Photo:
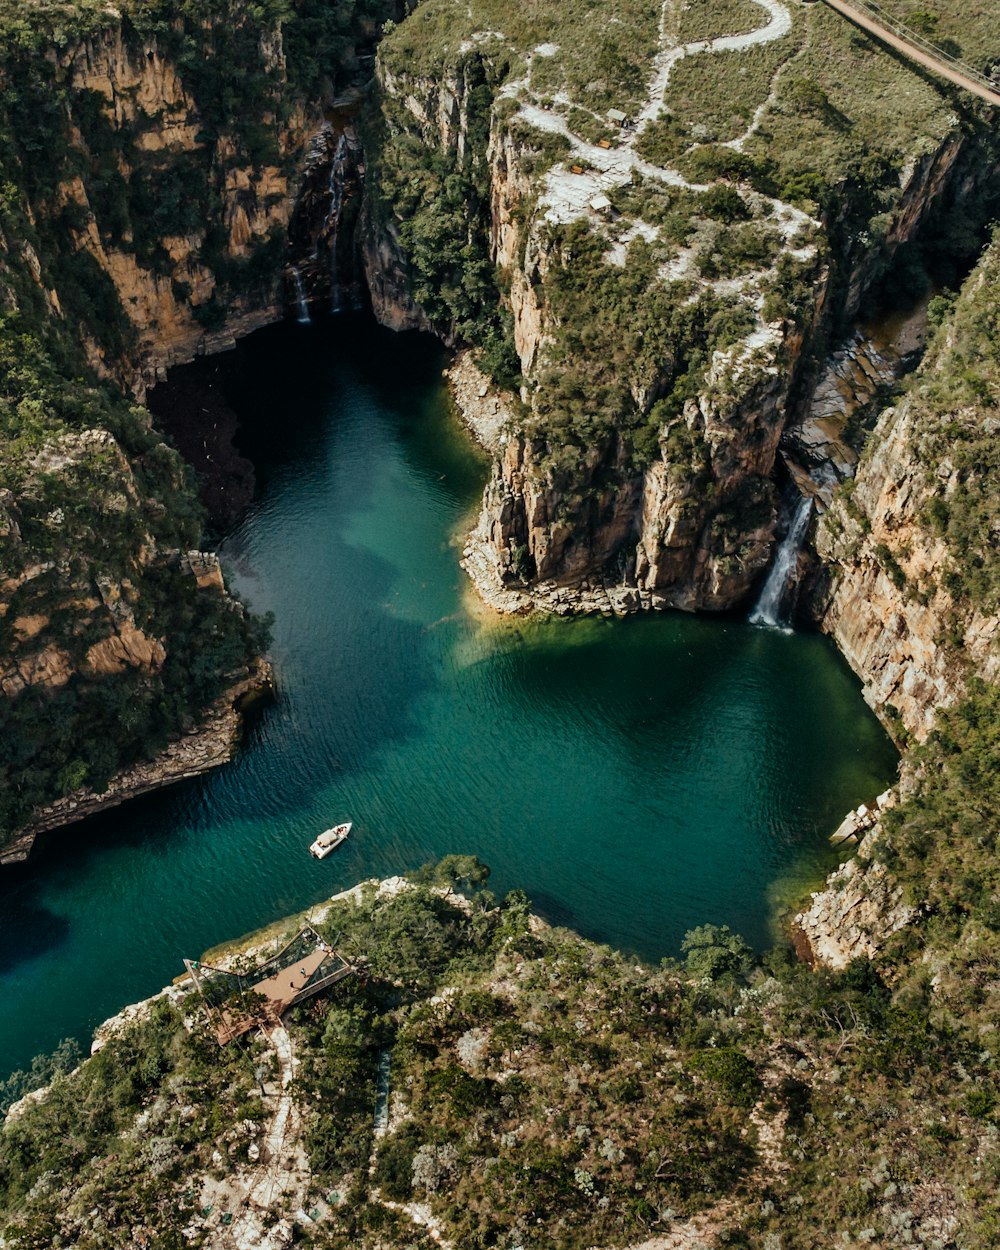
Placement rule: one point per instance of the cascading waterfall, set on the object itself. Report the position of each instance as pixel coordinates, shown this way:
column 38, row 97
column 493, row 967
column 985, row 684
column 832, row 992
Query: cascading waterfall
column 338, row 169
column 767, row 610
column 300, row 298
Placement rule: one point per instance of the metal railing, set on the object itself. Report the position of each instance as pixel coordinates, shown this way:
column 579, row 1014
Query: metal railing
column 910, row 36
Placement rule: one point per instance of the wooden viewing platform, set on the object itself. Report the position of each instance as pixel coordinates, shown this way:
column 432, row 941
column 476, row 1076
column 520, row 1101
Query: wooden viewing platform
column 238, row 1002
column 871, row 18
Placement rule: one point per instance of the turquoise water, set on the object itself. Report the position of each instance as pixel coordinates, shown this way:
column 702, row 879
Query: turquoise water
column 635, row 777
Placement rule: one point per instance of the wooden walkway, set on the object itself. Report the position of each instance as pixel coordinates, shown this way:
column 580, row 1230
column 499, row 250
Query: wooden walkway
column 871, row 18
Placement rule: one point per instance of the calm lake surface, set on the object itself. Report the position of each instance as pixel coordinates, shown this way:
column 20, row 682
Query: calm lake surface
column 635, row 777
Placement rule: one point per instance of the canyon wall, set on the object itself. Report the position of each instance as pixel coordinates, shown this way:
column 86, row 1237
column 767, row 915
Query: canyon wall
column 640, row 471
column 908, row 597
column 912, row 598
column 160, row 174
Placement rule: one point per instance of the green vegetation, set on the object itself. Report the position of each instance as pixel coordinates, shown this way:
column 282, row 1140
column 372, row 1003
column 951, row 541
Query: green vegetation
column 602, row 51
column 715, row 96
column 547, row 1087
column 620, row 329
column 941, row 844
column 846, row 112
column 94, row 507
column 957, row 396
column 708, row 19
column 438, row 203
column 92, row 490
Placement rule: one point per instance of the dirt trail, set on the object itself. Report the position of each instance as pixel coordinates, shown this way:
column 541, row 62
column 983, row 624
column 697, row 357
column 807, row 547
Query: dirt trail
column 278, row 1184
column 567, row 196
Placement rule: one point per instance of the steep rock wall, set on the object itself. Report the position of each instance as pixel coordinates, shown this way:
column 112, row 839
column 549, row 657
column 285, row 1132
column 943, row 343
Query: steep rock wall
column 880, row 555
column 152, row 168
column 189, row 295
column 647, row 507
column 910, row 598
column 661, row 542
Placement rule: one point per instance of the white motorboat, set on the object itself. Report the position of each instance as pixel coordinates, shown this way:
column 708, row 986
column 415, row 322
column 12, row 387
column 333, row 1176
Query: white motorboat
column 329, row 840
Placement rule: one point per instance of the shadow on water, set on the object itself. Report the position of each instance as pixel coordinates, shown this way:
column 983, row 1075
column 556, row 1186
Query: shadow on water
column 635, row 778
column 397, row 371
column 553, row 911
column 28, row 929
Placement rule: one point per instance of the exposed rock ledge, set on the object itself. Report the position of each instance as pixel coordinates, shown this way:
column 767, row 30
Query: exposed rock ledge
column 489, row 413
column 205, row 747
column 484, row 408
column 589, row 598
column 858, row 911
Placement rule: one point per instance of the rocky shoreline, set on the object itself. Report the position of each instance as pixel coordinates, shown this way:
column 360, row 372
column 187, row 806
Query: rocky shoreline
column 486, row 410
column 209, row 744
column 856, row 913
column 590, row 598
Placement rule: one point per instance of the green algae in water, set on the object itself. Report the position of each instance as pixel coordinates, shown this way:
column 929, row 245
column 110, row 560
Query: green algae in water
column 635, row 777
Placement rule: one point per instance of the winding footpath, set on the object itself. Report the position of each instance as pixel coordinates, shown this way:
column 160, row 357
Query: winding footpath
column 567, row 196
column 279, row 1182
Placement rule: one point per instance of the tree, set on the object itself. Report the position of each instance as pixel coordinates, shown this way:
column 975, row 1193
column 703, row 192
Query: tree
column 714, row 951
column 455, row 872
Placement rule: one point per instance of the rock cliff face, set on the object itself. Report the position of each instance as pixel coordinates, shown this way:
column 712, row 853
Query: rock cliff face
column 680, row 535
column 152, row 171
column 692, row 531
column 912, row 597
column 856, row 913
column 882, row 560
column 907, row 600
column 668, row 502
column 173, row 294
column 98, row 609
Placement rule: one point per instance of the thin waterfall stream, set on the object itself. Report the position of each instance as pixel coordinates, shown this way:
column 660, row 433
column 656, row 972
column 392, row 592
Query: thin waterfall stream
column 338, row 168
column 713, row 757
column 304, row 318
column 770, row 607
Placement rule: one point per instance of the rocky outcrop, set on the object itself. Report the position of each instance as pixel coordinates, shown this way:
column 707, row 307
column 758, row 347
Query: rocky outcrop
column 691, row 531
column 887, row 605
column 860, row 908
column 487, row 411
column 178, row 304
column 37, row 594
column 155, row 228
column 690, row 521
column 816, row 450
column 210, row 743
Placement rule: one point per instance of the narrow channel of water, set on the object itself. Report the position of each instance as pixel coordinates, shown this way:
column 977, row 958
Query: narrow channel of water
column 635, row 777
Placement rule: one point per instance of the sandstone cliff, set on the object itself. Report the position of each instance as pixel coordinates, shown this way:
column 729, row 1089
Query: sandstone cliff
column 153, row 169
column 858, row 910
column 176, row 289
column 641, row 473
column 913, row 602
column 910, row 601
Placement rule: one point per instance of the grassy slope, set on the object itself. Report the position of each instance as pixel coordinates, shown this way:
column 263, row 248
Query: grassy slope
column 545, row 1087
column 841, row 126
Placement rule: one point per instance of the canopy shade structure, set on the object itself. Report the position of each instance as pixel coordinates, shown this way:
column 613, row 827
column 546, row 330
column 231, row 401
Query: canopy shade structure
column 237, row 1002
